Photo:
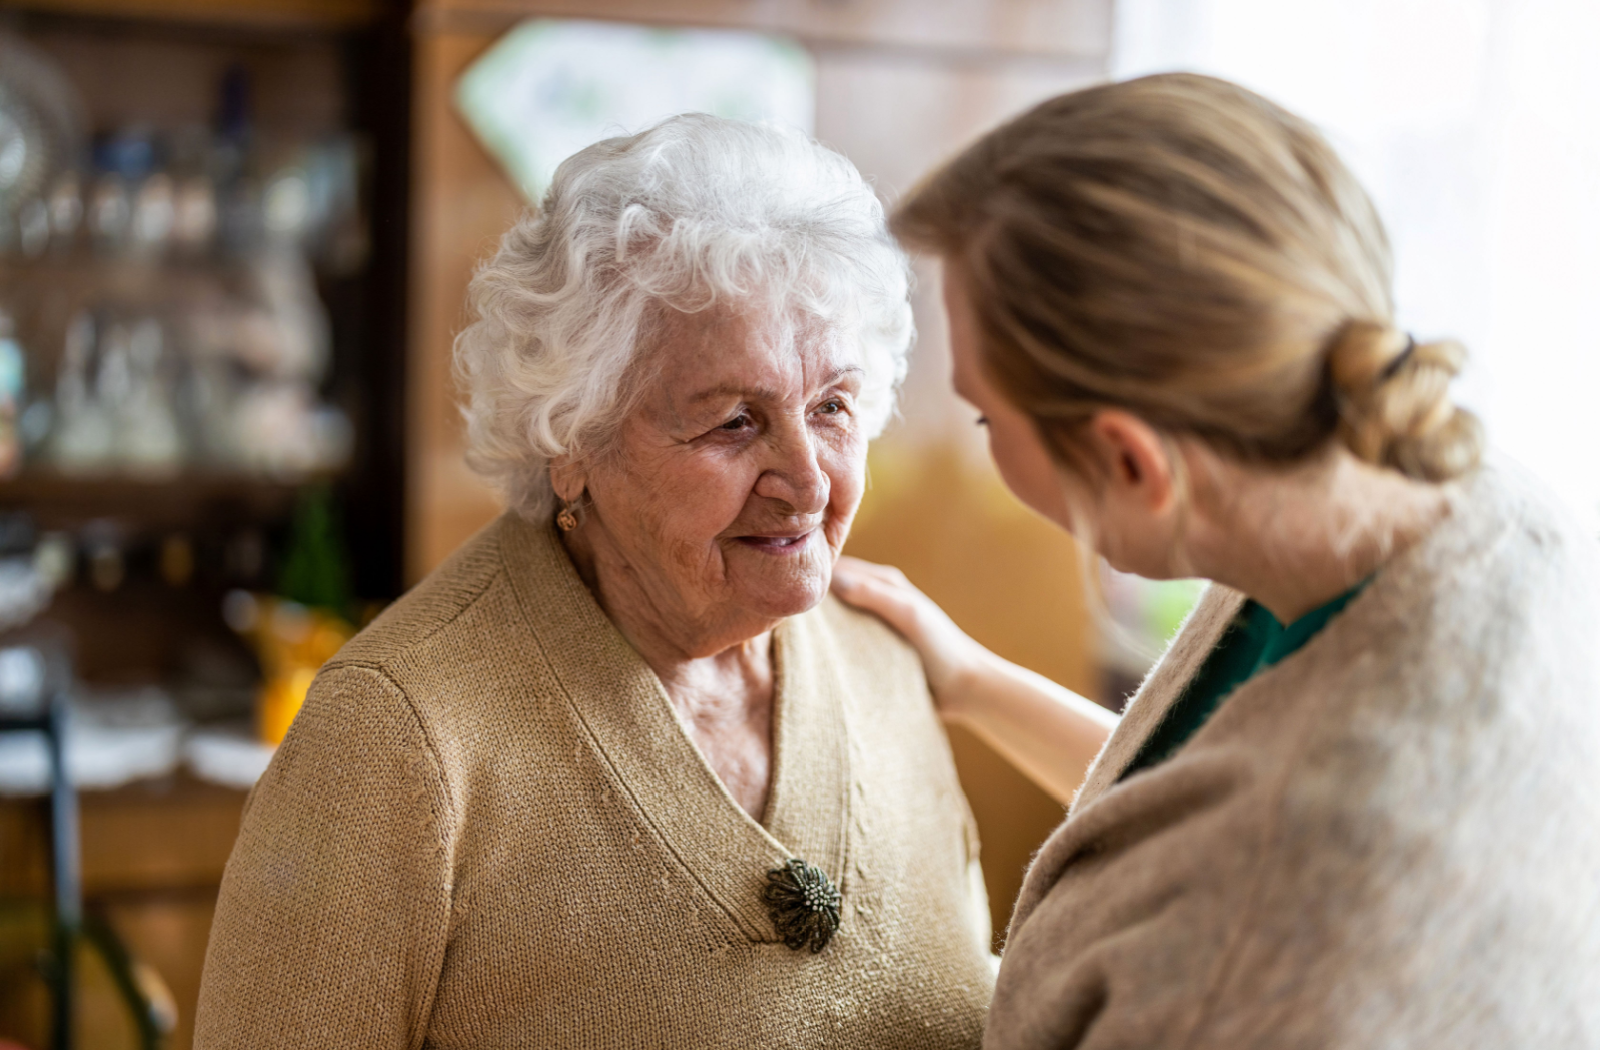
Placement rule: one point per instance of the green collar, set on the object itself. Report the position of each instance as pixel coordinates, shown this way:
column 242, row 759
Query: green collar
column 1286, row 641
column 1252, row 643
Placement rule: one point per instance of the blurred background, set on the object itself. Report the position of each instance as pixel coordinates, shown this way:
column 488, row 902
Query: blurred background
column 235, row 237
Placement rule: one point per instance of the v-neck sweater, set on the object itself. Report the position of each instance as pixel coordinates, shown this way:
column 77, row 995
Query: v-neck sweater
column 1253, row 642
column 487, row 828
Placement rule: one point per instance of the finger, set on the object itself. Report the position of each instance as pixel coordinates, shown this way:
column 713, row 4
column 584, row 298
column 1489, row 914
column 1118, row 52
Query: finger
column 844, row 583
column 858, row 587
column 859, row 566
column 883, row 600
column 886, row 573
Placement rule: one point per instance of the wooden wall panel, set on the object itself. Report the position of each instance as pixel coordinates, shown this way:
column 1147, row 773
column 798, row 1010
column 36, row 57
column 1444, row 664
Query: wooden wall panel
column 898, row 114
column 461, row 205
column 979, row 28
column 897, row 117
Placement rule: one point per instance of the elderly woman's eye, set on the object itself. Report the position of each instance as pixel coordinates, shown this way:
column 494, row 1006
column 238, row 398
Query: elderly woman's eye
column 738, row 422
column 831, row 407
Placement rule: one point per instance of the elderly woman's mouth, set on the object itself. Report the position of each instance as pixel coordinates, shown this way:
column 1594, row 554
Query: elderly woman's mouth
column 779, row 543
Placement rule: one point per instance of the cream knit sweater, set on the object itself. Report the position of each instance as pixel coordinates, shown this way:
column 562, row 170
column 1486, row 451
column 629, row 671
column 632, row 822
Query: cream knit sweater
column 1391, row 839
column 487, row 829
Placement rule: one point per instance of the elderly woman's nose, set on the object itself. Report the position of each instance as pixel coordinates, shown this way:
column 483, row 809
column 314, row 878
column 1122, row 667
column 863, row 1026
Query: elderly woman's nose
column 795, row 475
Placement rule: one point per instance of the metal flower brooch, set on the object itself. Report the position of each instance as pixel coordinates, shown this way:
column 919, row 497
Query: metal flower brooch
column 803, row 904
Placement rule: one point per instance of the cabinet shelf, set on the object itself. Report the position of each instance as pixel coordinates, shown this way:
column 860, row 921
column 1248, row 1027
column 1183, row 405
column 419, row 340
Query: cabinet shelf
column 274, row 14
column 179, row 502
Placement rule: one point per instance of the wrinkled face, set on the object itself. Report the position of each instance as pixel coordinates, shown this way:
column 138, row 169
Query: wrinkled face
column 735, row 477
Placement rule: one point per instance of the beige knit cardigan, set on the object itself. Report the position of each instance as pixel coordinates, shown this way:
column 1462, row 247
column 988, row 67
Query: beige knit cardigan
column 1391, row 839
column 488, row 829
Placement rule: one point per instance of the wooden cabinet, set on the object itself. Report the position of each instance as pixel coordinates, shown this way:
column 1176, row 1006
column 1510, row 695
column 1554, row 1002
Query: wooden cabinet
column 279, row 14
column 305, row 73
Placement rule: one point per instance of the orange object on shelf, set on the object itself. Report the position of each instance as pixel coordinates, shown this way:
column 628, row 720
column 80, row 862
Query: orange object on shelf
column 279, row 701
column 292, row 643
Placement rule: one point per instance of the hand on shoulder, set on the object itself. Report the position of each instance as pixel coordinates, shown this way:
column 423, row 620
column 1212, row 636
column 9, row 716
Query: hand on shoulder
column 1048, row 732
column 948, row 653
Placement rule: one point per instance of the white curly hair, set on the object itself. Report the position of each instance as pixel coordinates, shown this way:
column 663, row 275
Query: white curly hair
column 694, row 212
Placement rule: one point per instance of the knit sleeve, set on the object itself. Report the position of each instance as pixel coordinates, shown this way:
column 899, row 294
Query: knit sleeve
column 334, row 911
column 1124, row 931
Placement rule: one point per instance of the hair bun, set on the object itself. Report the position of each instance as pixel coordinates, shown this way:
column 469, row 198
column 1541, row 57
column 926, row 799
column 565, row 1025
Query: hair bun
column 1395, row 408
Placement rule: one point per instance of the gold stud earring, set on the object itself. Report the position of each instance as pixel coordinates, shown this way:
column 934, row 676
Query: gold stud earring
column 566, row 521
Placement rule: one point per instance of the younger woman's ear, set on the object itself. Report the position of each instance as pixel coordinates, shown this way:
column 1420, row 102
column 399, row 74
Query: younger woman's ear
column 567, row 478
column 1135, row 461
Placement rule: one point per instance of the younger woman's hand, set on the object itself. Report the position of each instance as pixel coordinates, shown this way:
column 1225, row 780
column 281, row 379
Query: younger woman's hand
column 1045, row 730
column 947, row 652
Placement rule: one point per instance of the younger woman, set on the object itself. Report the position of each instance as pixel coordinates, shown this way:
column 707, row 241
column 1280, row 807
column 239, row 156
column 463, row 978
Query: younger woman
column 1357, row 803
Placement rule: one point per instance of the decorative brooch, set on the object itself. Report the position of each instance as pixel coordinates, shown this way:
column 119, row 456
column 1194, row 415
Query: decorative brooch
column 803, row 904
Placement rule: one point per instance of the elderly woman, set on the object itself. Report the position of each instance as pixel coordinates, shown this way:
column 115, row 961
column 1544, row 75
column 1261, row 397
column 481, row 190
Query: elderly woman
column 1356, row 804
column 619, row 774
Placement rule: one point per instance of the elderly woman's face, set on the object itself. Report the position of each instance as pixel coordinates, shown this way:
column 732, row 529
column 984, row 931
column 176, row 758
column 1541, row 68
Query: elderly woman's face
column 735, row 477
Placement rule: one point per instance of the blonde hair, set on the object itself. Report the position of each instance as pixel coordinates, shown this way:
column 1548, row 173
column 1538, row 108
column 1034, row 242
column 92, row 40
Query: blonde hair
column 1182, row 248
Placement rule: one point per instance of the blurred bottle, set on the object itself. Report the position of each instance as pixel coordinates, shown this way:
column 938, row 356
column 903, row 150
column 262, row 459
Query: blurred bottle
column 149, row 438
column 176, row 560
column 239, row 211
column 194, row 215
column 105, row 543
column 33, row 227
column 209, row 389
column 151, row 224
column 119, row 216
column 316, row 563
column 110, row 211
column 296, row 633
column 12, row 392
column 66, row 211
column 194, row 205
column 83, row 437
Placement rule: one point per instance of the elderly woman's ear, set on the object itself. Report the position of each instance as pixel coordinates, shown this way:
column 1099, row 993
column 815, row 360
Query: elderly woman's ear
column 568, row 478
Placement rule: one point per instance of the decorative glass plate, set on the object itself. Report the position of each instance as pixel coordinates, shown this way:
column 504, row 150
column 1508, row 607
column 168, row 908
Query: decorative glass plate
column 550, row 87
